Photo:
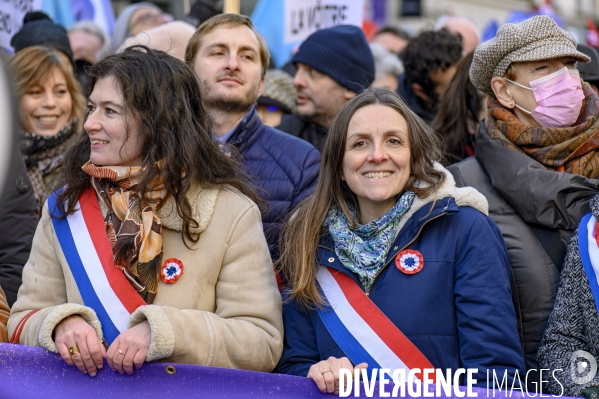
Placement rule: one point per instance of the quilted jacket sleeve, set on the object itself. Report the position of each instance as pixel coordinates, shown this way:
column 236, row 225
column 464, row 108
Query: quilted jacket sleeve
column 486, row 320
column 309, row 177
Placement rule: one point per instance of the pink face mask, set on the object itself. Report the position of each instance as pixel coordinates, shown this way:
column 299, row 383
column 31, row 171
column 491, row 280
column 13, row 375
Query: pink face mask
column 559, row 98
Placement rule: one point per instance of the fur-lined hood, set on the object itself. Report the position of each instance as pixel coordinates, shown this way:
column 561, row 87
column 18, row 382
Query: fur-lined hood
column 202, row 201
column 463, row 196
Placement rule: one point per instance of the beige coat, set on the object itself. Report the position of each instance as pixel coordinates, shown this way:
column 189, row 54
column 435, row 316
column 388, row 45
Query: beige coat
column 224, row 311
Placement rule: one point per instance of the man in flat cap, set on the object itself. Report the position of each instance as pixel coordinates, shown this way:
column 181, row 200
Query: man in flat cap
column 536, row 160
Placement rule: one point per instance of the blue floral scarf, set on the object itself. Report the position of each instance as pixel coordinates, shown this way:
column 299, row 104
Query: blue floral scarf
column 363, row 250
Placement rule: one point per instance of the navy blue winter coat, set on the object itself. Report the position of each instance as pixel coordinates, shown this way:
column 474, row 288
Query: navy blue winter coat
column 283, row 168
column 457, row 310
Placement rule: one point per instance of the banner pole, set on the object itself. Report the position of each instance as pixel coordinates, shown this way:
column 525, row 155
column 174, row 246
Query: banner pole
column 231, row 7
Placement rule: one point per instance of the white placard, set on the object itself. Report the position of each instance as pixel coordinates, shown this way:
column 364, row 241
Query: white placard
column 11, row 18
column 304, row 17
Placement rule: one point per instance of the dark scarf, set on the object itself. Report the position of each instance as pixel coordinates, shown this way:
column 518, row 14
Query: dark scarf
column 44, row 155
column 572, row 149
column 132, row 224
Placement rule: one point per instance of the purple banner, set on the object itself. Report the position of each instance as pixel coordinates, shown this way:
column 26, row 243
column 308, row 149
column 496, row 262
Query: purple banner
column 32, row 372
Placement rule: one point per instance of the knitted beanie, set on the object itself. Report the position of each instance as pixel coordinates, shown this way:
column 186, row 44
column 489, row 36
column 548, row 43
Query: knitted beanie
column 279, row 91
column 39, row 30
column 342, row 53
column 121, row 26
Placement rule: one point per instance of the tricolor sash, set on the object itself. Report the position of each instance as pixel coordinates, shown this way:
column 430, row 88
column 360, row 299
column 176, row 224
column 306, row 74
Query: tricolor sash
column 102, row 285
column 361, row 329
column 588, row 244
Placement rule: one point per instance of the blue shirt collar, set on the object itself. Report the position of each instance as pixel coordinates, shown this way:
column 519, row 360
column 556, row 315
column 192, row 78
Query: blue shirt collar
column 225, row 137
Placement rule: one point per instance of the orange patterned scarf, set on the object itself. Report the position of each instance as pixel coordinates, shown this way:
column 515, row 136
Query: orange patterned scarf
column 132, row 225
column 572, row 149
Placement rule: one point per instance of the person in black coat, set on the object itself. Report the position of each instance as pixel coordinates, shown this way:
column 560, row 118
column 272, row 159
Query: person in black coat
column 18, row 217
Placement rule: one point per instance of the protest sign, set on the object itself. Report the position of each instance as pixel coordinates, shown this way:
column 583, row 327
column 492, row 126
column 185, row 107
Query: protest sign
column 284, row 24
column 302, row 18
column 11, row 19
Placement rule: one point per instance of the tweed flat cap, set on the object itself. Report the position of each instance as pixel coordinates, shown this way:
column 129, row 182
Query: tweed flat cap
column 279, row 91
column 535, row 39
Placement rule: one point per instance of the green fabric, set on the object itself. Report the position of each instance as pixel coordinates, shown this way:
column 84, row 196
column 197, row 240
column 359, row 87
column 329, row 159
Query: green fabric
column 590, row 393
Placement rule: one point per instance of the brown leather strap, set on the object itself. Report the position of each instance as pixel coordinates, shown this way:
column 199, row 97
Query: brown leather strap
column 16, row 334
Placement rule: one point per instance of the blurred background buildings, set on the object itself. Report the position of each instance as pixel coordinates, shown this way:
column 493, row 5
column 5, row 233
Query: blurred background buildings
column 415, row 15
column 272, row 17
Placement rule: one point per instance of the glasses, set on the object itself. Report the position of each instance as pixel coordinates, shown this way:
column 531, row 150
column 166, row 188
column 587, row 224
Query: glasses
column 153, row 18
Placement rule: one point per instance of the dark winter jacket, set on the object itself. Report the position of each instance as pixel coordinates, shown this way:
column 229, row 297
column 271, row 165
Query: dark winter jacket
column 284, row 170
column 18, row 221
column 297, row 126
column 537, row 211
column 457, row 310
column 573, row 326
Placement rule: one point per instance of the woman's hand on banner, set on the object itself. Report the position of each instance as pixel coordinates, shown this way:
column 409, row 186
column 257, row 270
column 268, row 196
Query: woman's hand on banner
column 79, row 345
column 326, row 373
column 130, row 349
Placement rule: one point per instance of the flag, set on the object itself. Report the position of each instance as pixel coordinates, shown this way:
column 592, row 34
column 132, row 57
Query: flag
column 592, row 35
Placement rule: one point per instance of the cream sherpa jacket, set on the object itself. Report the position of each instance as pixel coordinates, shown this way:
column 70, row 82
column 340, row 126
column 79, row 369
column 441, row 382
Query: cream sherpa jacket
column 224, row 311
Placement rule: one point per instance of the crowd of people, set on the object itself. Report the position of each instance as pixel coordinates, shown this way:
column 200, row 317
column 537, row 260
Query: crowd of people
column 407, row 202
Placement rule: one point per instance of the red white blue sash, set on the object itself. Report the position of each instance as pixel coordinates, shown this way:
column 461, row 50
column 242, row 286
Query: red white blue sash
column 361, row 329
column 87, row 250
column 588, row 244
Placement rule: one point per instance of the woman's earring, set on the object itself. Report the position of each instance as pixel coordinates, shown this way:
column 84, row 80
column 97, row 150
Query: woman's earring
column 511, row 104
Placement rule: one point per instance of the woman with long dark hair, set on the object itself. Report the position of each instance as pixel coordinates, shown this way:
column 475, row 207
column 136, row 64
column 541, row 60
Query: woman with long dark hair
column 459, row 114
column 390, row 265
column 153, row 247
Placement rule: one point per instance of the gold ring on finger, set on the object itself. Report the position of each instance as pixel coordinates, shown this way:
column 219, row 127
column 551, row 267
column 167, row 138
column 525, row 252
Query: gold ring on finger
column 120, row 351
column 73, row 350
column 329, row 370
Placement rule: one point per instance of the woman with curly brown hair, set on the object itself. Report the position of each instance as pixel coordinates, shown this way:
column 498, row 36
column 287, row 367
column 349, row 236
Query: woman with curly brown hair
column 154, row 248
column 459, row 113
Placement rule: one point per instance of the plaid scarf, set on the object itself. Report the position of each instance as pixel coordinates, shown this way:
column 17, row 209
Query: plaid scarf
column 570, row 149
column 44, row 156
column 132, row 225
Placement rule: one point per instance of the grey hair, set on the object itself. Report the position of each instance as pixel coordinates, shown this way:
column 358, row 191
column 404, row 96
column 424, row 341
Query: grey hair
column 385, row 62
column 93, row 29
